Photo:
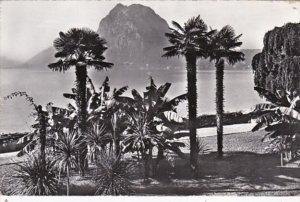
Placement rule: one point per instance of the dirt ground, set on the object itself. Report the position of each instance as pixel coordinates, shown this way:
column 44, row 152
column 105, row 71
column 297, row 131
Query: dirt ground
column 243, row 170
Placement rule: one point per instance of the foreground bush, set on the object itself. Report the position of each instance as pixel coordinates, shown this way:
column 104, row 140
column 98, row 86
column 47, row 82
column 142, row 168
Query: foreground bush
column 112, row 176
column 34, row 178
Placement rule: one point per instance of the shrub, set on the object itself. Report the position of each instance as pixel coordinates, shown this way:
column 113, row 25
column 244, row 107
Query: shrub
column 112, row 176
column 34, row 178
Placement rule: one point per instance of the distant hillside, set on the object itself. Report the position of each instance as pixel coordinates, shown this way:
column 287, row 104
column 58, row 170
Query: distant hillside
column 8, row 63
column 135, row 40
column 40, row 60
column 245, row 65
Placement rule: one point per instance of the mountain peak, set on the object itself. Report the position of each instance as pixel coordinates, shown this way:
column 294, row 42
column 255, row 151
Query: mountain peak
column 135, row 36
column 118, row 8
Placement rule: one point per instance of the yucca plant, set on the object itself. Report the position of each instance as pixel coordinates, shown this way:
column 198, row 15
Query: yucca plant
column 112, row 176
column 202, row 147
column 97, row 138
column 139, row 138
column 35, row 177
column 67, row 147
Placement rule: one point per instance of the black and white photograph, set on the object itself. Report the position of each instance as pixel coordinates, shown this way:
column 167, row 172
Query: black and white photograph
column 149, row 98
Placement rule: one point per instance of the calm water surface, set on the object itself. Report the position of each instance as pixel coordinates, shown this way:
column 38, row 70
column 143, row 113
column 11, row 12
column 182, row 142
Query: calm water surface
column 45, row 86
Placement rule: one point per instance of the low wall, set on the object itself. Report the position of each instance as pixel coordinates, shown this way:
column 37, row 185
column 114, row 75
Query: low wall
column 11, row 147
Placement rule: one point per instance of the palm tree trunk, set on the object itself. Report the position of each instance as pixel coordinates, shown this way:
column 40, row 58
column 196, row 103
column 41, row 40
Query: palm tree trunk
column 160, row 155
column 192, row 106
column 81, row 101
column 81, row 74
column 42, row 131
column 68, row 181
column 116, row 140
column 147, row 165
column 220, row 104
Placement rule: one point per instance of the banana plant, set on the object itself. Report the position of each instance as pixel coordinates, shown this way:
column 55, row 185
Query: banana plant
column 280, row 118
column 103, row 116
column 151, row 121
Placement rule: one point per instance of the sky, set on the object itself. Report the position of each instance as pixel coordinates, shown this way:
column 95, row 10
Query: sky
column 28, row 27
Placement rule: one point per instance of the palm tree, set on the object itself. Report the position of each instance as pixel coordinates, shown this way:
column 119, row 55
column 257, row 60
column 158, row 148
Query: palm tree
column 80, row 48
column 222, row 45
column 189, row 41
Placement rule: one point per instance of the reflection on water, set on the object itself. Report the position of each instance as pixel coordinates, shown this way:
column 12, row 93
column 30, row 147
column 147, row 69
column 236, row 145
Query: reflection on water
column 46, row 86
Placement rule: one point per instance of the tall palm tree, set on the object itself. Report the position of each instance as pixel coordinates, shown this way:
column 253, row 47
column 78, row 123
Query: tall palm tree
column 189, row 41
column 222, row 46
column 80, row 48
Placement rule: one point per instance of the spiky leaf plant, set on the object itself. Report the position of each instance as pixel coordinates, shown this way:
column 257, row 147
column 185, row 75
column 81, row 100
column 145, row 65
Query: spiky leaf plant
column 35, row 178
column 112, row 176
column 67, row 147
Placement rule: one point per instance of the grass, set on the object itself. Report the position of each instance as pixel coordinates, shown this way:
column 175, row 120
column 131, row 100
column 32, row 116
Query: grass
column 244, row 170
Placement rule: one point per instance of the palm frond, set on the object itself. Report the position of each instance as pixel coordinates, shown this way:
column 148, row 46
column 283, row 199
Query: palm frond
column 178, row 26
column 69, row 96
column 234, row 57
column 172, row 53
column 59, row 66
column 99, row 65
column 264, row 107
column 105, row 85
column 120, row 91
column 265, row 120
column 170, row 105
column 136, row 95
column 290, row 112
column 82, row 45
column 195, row 22
column 163, row 89
column 173, row 117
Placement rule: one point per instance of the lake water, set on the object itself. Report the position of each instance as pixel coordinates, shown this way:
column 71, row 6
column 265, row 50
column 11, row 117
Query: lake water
column 45, row 86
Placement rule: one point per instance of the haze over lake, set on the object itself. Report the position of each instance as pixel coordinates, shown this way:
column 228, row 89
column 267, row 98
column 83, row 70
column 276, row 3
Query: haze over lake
column 46, row 86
